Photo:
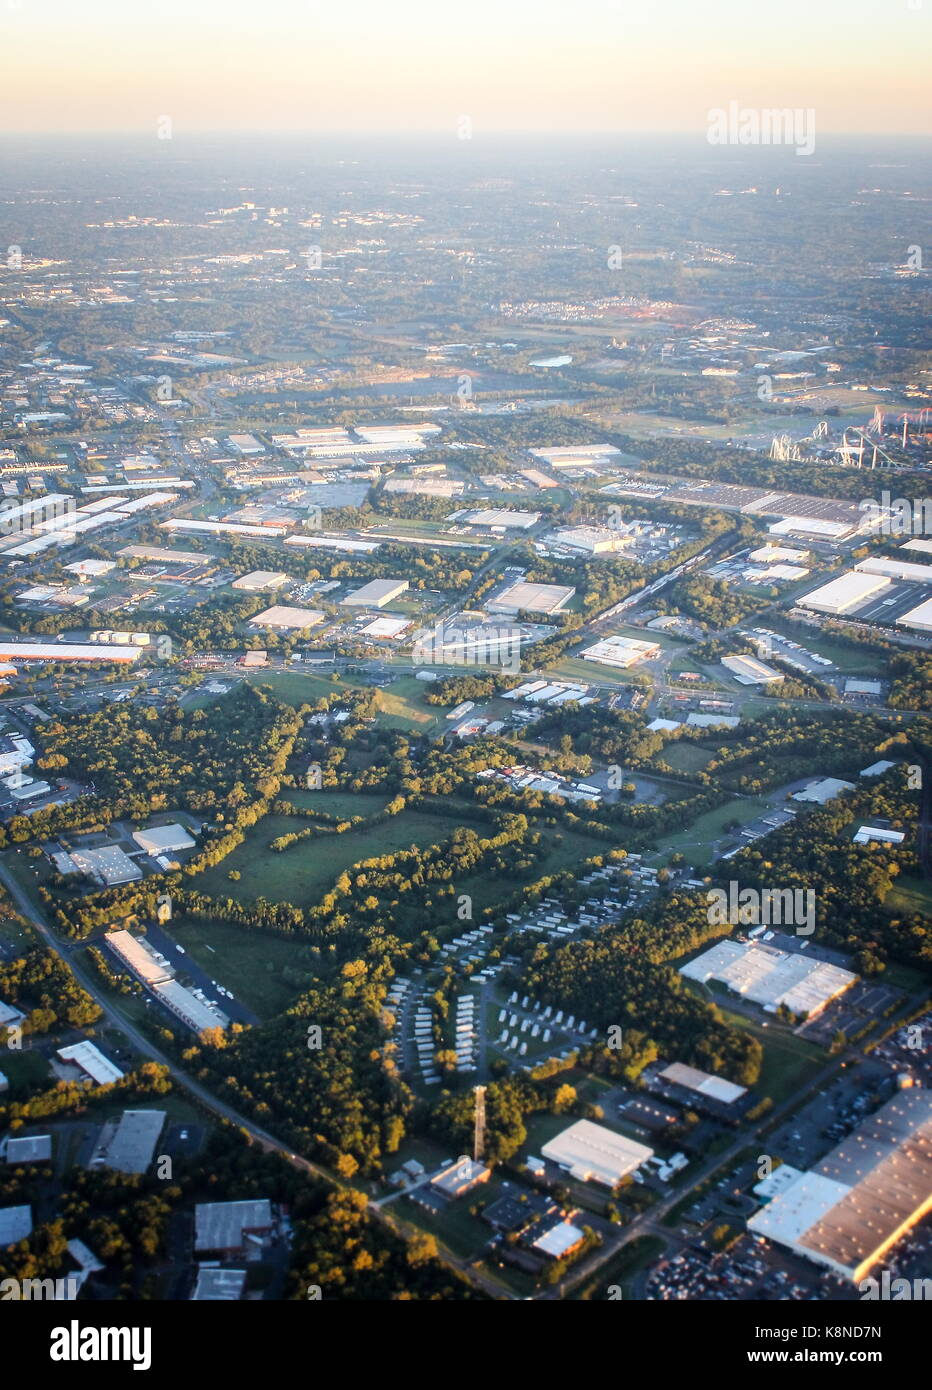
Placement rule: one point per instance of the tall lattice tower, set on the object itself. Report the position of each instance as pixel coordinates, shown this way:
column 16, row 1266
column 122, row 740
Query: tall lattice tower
column 479, row 1137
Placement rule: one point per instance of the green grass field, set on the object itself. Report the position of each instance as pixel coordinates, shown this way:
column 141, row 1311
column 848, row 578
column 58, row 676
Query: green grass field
column 402, row 706
column 250, row 964
column 789, row 1064
column 303, row 873
column 910, row 895
column 300, row 687
column 696, row 840
column 334, row 803
column 686, row 757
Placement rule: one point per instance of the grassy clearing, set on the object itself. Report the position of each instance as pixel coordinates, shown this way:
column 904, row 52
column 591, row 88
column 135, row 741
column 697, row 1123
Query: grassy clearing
column 303, row 873
column 686, row 757
column 910, row 895
column 789, row 1064
column 340, row 804
column 697, row 841
column 300, row 687
column 250, row 964
column 402, row 706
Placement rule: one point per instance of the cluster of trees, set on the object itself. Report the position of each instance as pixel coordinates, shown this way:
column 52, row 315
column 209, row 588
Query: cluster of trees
column 713, row 602
column 850, row 882
column 786, row 744
column 149, row 1080
column 622, row 978
column 41, row 985
column 142, row 759
column 321, row 1074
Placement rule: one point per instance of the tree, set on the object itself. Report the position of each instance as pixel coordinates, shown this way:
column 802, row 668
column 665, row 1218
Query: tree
column 564, row 1099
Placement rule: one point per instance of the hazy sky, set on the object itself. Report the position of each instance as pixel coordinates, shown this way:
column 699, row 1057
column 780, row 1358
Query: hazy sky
column 386, row 65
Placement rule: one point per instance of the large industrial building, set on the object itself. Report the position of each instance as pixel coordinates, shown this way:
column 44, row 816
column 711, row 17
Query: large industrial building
column 590, row 540
column 896, row 569
column 849, row 1209
column 845, row 593
column 163, row 839
column 287, row 619
column 747, row 670
column 592, row 1153
column 500, row 519
column 376, row 594
column 109, row 865
column 158, row 975
column 823, row 790
column 621, row 651
column 68, row 651
column 771, row 977
column 127, row 1144
column 531, row 598
column 919, row 619
column 258, row 580
column 229, row 1225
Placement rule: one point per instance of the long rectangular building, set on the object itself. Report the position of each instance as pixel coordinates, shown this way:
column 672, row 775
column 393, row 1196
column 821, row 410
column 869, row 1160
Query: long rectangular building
column 844, row 593
column 849, row 1209
column 68, row 651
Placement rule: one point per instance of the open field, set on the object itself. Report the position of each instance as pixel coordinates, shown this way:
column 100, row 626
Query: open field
column 302, row 874
column 697, row 839
column 686, row 757
column 910, row 895
column 249, row 964
column 402, row 706
column 789, row 1062
column 336, row 803
column 300, row 687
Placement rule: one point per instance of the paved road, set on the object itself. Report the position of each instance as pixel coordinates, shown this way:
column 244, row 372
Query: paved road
column 266, row 1141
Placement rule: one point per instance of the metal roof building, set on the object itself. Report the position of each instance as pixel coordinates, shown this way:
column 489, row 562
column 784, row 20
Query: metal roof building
column 287, row 619
column 225, row 1225
column 531, row 598
column 771, row 977
column 162, row 839
column 128, row 1144
column 218, row 1285
column 707, row 1085
column 187, row 1007
column 92, row 1061
column 68, row 651
column 862, row 1197
column 15, row 1224
column 139, row 956
column 592, row 1153
column 846, row 592
column 376, row 594
column 27, row 1148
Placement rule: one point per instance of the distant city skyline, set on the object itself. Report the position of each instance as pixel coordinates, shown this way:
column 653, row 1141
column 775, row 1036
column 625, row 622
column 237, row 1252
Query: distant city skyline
column 411, row 66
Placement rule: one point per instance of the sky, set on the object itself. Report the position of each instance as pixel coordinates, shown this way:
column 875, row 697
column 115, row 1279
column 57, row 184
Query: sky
column 410, row 66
